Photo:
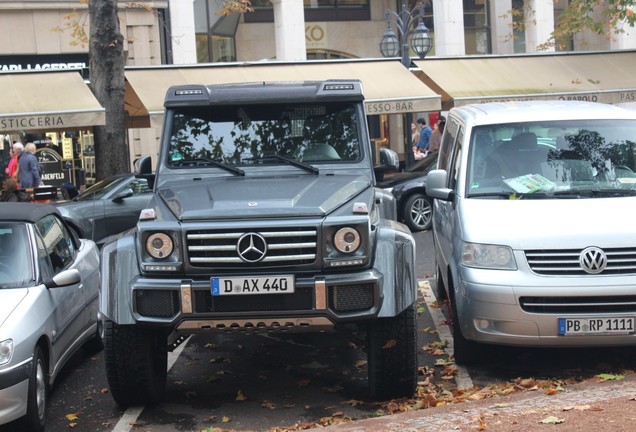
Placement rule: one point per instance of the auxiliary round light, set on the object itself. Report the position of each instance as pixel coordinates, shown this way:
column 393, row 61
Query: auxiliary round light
column 347, row 240
column 159, row 245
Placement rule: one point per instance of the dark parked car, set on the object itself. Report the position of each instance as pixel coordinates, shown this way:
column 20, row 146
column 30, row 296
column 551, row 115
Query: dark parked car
column 107, row 208
column 414, row 207
column 49, row 290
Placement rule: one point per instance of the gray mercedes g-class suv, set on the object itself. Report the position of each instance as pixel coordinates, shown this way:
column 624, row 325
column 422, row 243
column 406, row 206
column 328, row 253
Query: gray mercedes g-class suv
column 265, row 217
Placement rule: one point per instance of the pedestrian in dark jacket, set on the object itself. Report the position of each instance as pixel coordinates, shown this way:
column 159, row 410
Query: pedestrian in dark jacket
column 29, row 168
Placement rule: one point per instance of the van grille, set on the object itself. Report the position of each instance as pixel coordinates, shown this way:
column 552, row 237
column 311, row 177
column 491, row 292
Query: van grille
column 574, row 305
column 284, row 247
column 565, row 262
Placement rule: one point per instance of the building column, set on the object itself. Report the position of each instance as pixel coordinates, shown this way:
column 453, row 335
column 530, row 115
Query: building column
column 448, row 16
column 182, row 40
column 501, row 32
column 289, row 30
column 540, row 24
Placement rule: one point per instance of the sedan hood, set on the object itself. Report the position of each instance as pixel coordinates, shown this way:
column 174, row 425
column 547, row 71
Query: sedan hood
column 10, row 298
column 231, row 197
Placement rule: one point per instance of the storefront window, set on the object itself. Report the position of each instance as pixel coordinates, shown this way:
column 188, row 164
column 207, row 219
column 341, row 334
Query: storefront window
column 214, row 33
column 476, row 27
column 316, row 10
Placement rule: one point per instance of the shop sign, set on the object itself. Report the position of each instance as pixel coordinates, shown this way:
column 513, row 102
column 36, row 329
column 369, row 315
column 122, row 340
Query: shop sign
column 315, row 35
column 55, row 171
column 402, row 106
column 12, row 63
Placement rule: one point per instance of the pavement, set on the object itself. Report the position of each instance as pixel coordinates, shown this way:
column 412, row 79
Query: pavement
column 587, row 406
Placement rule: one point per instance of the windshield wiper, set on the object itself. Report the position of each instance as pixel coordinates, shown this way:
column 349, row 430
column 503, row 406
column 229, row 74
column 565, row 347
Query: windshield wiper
column 310, row 168
column 216, row 163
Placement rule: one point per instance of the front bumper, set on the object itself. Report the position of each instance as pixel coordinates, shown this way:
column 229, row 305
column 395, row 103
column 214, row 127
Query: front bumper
column 318, row 303
column 509, row 308
column 14, row 387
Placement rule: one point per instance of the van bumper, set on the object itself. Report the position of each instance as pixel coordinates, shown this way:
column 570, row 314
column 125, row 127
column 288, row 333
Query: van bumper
column 527, row 311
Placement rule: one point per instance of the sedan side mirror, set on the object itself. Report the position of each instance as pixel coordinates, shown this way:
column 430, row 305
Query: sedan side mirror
column 128, row 192
column 63, row 279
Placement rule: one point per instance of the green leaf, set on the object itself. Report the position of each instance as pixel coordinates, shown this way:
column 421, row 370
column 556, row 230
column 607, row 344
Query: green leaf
column 610, row 377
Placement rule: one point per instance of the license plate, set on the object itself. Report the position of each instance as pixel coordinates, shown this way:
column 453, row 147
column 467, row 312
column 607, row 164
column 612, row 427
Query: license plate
column 252, row 285
column 596, row 326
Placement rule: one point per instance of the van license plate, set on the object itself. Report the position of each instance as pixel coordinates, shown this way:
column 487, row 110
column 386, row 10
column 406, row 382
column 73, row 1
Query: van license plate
column 252, row 285
column 596, row 326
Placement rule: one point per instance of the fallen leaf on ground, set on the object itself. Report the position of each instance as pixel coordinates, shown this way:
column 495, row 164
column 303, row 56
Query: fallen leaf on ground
column 552, row 420
column 609, row 377
column 71, row 417
column 240, row 396
column 392, row 343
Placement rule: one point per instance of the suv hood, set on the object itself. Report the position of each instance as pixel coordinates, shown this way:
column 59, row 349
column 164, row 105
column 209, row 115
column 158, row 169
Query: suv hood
column 231, row 197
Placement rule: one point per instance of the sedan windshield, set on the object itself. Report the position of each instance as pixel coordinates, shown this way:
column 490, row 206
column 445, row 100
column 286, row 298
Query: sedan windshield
column 100, row 189
column 15, row 256
column 296, row 135
column 556, row 159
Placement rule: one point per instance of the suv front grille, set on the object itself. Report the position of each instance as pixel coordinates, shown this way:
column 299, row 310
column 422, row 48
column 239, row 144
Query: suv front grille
column 565, row 262
column 284, row 247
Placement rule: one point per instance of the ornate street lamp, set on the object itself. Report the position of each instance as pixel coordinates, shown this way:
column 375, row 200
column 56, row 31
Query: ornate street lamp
column 392, row 44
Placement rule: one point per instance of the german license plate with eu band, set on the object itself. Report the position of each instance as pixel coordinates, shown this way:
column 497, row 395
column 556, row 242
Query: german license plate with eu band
column 596, row 326
column 252, row 285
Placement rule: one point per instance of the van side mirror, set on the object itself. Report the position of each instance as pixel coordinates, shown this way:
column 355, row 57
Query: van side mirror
column 436, row 181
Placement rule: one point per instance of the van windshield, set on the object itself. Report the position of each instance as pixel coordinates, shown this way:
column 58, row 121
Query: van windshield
column 567, row 158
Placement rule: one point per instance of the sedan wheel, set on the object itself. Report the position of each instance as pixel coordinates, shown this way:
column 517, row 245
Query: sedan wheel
column 418, row 212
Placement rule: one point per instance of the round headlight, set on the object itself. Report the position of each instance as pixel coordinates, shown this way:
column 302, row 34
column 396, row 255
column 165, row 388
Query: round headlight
column 347, row 240
column 159, row 245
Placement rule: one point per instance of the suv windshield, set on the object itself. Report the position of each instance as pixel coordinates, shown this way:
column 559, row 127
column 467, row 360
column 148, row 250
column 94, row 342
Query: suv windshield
column 572, row 158
column 270, row 133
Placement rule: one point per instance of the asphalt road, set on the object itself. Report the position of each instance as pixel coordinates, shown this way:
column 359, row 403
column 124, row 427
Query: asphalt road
column 263, row 382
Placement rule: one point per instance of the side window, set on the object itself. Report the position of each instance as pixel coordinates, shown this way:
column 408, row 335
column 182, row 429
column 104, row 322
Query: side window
column 454, row 168
column 140, row 186
column 446, row 148
column 58, row 244
column 43, row 259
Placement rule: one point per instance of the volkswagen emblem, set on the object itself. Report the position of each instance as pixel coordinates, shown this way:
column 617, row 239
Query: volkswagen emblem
column 593, row 260
column 251, row 247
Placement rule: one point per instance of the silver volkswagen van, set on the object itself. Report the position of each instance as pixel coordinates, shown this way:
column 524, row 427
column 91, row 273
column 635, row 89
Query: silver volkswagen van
column 535, row 225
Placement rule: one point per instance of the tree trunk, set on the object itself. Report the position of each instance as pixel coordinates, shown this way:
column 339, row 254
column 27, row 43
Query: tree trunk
column 106, row 52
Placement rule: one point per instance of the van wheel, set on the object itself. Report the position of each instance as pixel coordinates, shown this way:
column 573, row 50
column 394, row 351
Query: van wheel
column 136, row 364
column 392, row 355
column 418, row 212
column 464, row 350
column 35, row 418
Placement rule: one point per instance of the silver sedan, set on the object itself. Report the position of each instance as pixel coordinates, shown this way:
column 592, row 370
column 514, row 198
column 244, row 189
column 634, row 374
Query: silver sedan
column 49, row 291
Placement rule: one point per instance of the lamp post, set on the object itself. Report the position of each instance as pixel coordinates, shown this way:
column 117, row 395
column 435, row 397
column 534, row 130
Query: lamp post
column 393, row 44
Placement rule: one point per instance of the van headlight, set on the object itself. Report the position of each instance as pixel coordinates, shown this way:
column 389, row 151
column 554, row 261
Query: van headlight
column 6, row 351
column 488, row 256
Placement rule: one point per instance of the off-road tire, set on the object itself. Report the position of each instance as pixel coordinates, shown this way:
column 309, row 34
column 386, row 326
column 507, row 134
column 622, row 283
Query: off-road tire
column 136, row 364
column 37, row 397
column 418, row 212
column 392, row 355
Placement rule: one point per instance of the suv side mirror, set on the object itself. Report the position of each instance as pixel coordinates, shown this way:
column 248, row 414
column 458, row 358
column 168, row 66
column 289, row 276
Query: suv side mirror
column 436, row 185
column 143, row 169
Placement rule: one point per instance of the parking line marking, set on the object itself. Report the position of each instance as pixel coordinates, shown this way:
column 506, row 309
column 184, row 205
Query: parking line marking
column 462, row 379
column 130, row 416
